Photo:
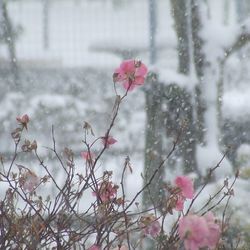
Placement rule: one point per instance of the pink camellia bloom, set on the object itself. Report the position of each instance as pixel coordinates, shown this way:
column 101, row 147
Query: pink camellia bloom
column 29, row 181
column 150, row 225
column 94, row 247
column 193, row 229
column 88, row 156
column 179, row 206
column 107, row 191
column 23, row 120
column 186, row 191
column 214, row 230
column 199, row 231
column 108, row 140
column 131, row 73
column 186, row 186
column 153, row 229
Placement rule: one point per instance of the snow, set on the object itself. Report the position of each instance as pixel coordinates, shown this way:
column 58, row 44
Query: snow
column 81, row 36
column 9, row 102
column 169, row 76
column 215, row 42
column 208, row 157
column 236, row 104
column 239, row 205
column 67, row 25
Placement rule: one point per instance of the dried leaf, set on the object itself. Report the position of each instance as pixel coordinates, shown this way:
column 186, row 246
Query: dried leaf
column 88, row 128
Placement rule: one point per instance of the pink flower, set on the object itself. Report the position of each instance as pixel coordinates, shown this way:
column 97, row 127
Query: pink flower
column 108, row 140
column 193, row 230
column 153, row 229
column 88, row 156
column 186, row 191
column 199, row 231
column 214, row 230
column 29, row 181
column 23, row 120
column 186, row 186
column 107, row 191
column 180, row 203
column 94, row 247
column 131, row 73
column 150, row 225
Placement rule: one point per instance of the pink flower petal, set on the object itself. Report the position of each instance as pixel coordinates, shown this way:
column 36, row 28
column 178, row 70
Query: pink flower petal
column 139, row 80
column 129, row 86
column 107, row 141
column 130, row 73
column 186, row 185
column 128, row 66
column 121, row 76
column 155, row 229
column 193, row 230
column 179, row 204
column 88, row 156
column 141, row 71
column 199, row 231
column 214, row 230
column 106, row 191
column 191, row 245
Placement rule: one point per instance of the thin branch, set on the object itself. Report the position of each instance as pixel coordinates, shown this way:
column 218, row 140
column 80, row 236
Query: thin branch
column 240, row 42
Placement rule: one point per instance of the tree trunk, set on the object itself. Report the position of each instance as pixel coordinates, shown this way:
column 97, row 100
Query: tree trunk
column 9, row 39
column 152, row 31
column 199, row 68
column 208, row 74
column 155, row 132
column 209, row 68
column 180, row 8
